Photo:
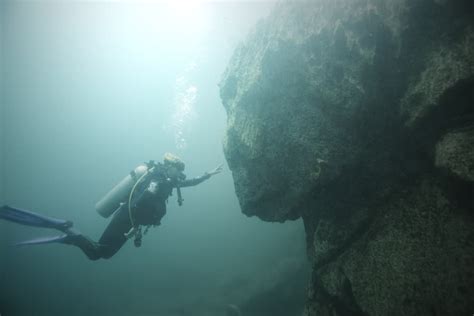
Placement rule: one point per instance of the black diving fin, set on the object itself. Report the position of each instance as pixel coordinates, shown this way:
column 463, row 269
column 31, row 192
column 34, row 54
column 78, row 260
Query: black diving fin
column 30, row 218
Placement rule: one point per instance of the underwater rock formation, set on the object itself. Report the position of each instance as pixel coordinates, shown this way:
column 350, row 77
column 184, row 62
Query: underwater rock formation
column 358, row 116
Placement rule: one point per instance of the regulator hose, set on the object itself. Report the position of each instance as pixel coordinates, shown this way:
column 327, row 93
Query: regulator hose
column 130, row 215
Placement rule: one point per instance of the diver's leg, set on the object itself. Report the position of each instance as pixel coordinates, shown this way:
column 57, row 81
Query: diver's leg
column 111, row 241
column 113, row 238
column 91, row 249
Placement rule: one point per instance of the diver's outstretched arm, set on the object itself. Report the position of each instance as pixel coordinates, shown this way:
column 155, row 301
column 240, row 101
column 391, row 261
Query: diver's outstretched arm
column 197, row 180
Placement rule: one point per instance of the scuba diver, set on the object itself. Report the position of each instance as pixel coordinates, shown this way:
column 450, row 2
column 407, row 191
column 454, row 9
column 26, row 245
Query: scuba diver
column 138, row 201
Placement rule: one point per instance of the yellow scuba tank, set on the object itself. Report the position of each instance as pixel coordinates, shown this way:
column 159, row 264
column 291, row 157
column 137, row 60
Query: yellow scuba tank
column 119, row 194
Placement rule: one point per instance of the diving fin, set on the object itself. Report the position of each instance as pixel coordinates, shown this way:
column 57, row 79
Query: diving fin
column 70, row 237
column 29, row 218
column 43, row 240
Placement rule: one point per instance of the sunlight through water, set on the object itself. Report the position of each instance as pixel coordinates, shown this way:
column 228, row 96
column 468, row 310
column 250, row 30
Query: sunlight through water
column 190, row 20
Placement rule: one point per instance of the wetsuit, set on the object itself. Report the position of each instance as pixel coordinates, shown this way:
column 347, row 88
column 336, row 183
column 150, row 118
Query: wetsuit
column 148, row 208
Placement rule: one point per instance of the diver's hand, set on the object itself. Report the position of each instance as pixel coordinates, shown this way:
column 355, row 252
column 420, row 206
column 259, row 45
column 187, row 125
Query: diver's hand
column 215, row 171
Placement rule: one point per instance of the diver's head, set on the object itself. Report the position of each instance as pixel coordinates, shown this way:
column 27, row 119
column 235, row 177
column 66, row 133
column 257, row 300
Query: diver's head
column 174, row 166
column 171, row 160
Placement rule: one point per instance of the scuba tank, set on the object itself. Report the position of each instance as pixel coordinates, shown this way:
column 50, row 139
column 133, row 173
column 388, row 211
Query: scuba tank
column 111, row 201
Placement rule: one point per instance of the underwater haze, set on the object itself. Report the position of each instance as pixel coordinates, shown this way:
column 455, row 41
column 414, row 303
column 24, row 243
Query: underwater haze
column 90, row 90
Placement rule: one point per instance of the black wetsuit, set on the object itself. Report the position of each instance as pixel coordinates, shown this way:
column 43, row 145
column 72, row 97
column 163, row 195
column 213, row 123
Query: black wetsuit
column 149, row 207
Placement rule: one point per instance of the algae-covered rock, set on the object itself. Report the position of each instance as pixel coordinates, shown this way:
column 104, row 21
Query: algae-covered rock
column 455, row 153
column 357, row 116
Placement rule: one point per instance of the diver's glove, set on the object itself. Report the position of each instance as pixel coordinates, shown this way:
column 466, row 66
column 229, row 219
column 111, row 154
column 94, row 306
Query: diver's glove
column 214, row 171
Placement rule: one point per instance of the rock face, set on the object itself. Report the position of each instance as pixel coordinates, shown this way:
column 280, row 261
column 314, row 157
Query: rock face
column 358, row 116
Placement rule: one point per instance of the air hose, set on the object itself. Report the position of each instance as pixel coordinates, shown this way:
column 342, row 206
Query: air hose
column 130, row 215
